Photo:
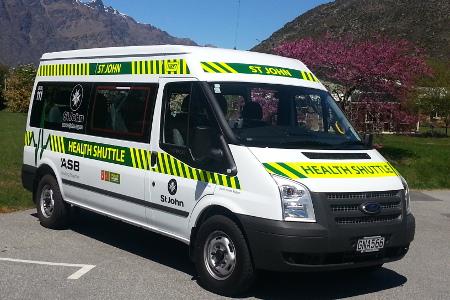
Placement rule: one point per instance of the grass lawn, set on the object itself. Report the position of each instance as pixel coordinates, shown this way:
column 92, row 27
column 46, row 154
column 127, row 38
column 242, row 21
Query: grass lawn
column 424, row 162
column 12, row 195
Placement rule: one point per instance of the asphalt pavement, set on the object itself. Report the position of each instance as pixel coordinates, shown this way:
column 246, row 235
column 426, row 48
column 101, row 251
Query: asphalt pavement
column 101, row 258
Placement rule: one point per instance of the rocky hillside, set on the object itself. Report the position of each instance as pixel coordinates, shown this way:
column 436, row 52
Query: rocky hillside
column 426, row 23
column 30, row 28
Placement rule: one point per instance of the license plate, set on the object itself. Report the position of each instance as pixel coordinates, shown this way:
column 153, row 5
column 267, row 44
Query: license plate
column 370, row 244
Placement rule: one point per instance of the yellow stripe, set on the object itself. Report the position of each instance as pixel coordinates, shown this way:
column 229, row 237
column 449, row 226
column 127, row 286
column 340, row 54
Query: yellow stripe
column 186, row 170
column 149, row 159
column 51, row 143
column 217, row 67
column 207, row 69
column 149, row 67
column 173, row 163
column 161, row 67
column 283, row 170
column 55, row 143
column 184, row 66
column 161, row 164
column 310, row 77
column 226, row 66
column 216, row 177
column 63, row 148
column 194, row 173
column 167, row 163
column 304, row 75
column 138, row 158
column 180, row 168
column 315, row 78
column 133, row 160
column 144, row 159
column 233, row 182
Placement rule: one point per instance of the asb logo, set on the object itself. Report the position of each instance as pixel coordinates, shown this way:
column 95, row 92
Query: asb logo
column 370, row 208
column 172, row 187
column 76, row 97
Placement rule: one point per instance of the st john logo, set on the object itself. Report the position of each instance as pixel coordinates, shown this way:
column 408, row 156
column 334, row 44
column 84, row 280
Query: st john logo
column 172, row 187
column 76, row 97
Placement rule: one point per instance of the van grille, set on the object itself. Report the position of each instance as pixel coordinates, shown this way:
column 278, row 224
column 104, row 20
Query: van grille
column 364, row 195
column 345, row 207
column 368, row 219
column 355, row 207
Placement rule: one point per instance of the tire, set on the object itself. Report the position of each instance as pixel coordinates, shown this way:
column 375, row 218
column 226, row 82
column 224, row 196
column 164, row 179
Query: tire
column 210, row 247
column 52, row 211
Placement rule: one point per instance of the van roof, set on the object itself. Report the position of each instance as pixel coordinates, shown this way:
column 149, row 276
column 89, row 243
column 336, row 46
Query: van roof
column 205, row 63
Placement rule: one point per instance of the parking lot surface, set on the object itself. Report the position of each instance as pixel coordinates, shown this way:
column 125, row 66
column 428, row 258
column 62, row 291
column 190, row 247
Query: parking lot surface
column 119, row 261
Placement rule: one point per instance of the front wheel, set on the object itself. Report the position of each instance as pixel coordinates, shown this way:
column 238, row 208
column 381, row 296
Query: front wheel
column 222, row 257
column 52, row 211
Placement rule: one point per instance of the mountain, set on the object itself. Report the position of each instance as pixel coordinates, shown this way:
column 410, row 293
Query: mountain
column 29, row 28
column 424, row 22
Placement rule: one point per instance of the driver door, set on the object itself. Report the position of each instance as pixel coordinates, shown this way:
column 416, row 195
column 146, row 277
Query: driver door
column 178, row 183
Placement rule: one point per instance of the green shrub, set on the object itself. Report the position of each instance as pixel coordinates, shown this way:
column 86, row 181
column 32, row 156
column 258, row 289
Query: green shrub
column 19, row 85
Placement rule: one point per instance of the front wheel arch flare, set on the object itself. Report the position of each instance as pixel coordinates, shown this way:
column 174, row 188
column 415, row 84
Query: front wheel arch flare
column 208, row 212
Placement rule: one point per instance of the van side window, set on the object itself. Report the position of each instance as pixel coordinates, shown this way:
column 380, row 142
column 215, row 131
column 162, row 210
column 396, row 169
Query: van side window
column 185, row 107
column 61, row 106
column 122, row 111
column 178, row 96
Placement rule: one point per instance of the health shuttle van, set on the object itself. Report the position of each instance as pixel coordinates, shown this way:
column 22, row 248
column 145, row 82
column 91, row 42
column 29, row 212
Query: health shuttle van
column 243, row 156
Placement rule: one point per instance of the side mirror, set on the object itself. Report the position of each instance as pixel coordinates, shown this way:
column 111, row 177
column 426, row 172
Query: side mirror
column 202, row 146
column 368, row 140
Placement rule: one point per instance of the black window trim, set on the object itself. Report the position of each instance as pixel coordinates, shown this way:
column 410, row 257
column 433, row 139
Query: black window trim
column 147, row 130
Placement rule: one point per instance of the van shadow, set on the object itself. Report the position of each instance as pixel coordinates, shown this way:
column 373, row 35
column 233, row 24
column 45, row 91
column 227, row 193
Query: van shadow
column 270, row 285
column 324, row 285
column 138, row 241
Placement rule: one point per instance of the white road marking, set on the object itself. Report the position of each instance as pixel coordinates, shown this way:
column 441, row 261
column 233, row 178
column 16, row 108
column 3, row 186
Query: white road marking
column 83, row 268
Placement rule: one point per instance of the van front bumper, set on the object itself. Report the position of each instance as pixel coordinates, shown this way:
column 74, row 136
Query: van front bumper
column 295, row 246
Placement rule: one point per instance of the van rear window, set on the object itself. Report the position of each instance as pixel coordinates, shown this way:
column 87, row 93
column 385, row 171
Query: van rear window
column 61, row 106
column 122, row 111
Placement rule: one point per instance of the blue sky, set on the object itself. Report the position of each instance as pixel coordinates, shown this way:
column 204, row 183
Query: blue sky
column 213, row 21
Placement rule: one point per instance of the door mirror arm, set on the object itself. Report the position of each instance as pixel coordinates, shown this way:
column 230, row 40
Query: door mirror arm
column 368, row 140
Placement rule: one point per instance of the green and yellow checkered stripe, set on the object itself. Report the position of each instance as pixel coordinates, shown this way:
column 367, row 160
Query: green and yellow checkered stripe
column 252, row 69
column 57, row 144
column 296, row 170
column 217, row 67
column 29, row 138
column 140, row 158
column 81, row 69
column 284, row 169
column 161, row 66
column 309, row 76
column 168, row 164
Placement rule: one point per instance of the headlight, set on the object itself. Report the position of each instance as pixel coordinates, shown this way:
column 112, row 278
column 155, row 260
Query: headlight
column 407, row 196
column 295, row 200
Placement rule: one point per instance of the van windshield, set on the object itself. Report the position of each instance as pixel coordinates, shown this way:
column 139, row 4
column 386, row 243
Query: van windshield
column 281, row 116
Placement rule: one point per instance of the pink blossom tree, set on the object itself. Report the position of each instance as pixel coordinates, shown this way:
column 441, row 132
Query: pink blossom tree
column 374, row 71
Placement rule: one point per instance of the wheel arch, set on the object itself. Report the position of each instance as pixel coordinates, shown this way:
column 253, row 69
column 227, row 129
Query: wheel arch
column 208, row 212
column 45, row 168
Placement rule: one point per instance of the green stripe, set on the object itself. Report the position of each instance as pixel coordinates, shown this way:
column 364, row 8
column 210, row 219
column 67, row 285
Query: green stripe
column 273, row 170
column 238, row 184
column 292, row 170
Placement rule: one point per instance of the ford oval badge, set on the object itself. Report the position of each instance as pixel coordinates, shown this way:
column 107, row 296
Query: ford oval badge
column 370, row 208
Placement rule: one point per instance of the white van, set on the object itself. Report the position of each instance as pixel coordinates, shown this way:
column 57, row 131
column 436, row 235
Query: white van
column 243, row 156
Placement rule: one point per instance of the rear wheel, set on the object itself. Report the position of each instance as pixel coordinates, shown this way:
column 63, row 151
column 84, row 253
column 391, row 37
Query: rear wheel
column 222, row 258
column 52, row 211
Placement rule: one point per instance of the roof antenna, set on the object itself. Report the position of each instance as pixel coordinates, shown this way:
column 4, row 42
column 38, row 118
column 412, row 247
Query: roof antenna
column 237, row 24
